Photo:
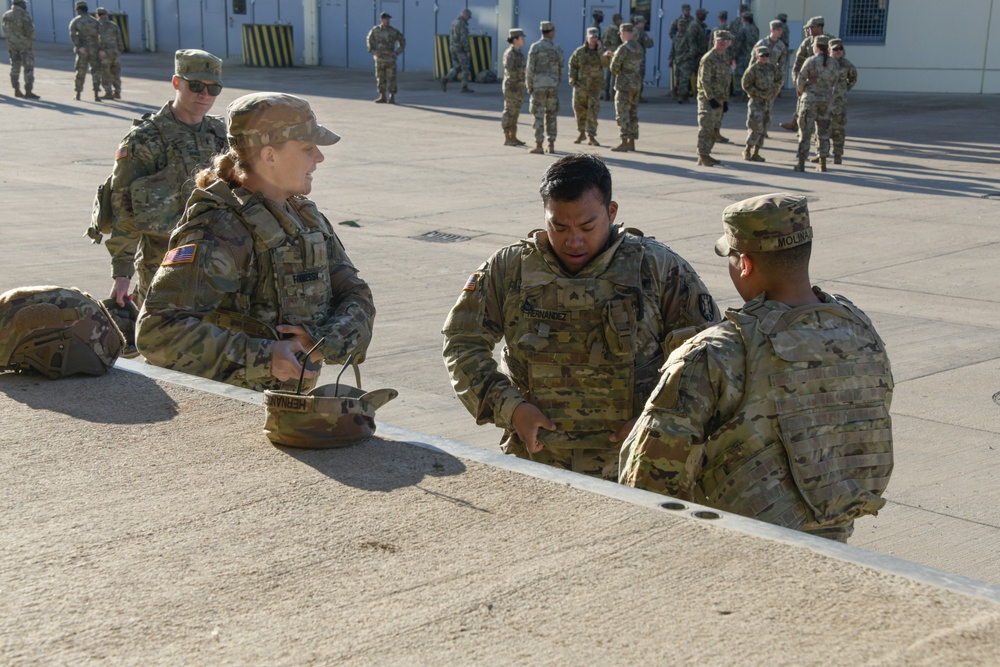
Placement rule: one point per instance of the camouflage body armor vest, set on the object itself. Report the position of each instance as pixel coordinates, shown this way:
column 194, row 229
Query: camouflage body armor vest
column 573, row 347
column 823, row 456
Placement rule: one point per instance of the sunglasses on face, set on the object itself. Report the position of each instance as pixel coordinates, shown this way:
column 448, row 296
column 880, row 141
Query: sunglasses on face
column 838, row 48
column 197, row 86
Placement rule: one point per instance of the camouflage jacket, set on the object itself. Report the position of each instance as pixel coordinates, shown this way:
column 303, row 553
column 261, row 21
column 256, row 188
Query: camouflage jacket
column 761, row 82
column 109, row 37
column 513, row 68
column 460, row 35
column 382, row 42
column 152, row 179
column 250, row 265
column 816, row 80
column 770, row 414
column 84, row 32
column 643, row 39
column 804, row 52
column 612, row 38
column 779, row 54
column 847, row 79
column 19, row 28
column 680, row 49
column 626, row 65
column 714, row 77
column 666, row 296
column 586, row 68
column 697, row 39
column 545, row 65
column 744, row 42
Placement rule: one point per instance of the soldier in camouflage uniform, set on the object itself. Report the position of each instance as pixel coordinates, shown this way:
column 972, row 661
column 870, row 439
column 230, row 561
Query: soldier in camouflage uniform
column 20, row 31
column 713, row 96
column 587, row 311
column 698, row 39
column 643, row 39
column 542, row 77
column 685, row 17
column 513, row 86
column 761, row 83
column 611, row 40
column 815, row 84
column 838, row 117
column 84, row 33
column 777, row 49
column 681, row 66
column 109, row 51
column 743, row 44
column 256, row 277
column 153, row 169
column 815, row 26
column 784, row 28
column 461, row 52
column 385, row 43
column 781, row 412
column 627, row 66
column 586, row 77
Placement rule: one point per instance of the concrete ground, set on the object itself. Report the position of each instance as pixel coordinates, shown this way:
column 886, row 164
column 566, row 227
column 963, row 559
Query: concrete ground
column 906, row 228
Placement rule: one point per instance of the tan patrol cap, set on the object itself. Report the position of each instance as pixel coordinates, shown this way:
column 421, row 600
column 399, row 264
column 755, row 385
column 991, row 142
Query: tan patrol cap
column 264, row 119
column 197, row 65
column 514, row 33
column 593, row 32
column 627, row 27
column 546, row 26
column 767, row 223
column 816, row 20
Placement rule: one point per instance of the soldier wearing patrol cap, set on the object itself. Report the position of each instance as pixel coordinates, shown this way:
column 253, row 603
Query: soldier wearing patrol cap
column 626, row 64
column 513, row 86
column 385, row 43
column 109, row 51
column 777, row 48
column 685, row 18
column 255, row 276
column 542, row 77
column 644, row 40
column 611, row 40
column 781, row 412
column 586, row 77
column 151, row 180
column 20, row 32
column 714, row 76
column 84, row 34
column 815, row 28
column 761, row 83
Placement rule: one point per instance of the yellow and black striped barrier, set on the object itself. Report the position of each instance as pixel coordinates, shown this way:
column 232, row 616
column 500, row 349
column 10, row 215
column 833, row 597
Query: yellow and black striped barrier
column 482, row 54
column 121, row 20
column 268, row 45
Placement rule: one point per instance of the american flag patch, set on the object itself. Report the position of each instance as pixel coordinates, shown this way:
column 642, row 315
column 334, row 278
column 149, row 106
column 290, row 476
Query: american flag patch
column 122, row 152
column 181, row 255
column 470, row 284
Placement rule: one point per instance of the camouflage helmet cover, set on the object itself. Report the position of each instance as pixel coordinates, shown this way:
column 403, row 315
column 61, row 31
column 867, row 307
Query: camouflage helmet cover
column 329, row 416
column 57, row 331
column 262, row 119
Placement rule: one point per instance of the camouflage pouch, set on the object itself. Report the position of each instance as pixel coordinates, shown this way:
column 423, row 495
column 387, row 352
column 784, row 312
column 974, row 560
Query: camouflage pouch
column 100, row 217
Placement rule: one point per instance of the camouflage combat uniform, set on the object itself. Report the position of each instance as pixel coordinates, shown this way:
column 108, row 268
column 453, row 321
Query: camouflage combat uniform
column 696, row 44
column 461, row 51
column 682, row 66
column 815, row 83
column 745, row 39
column 779, row 55
column 676, row 22
column 838, row 117
column 611, row 40
column 778, row 413
column 151, row 181
column 513, row 87
column 20, row 31
column 761, row 83
column 643, row 39
column 239, row 266
column 382, row 45
column 626, row 65
column 112, row 45
column 586, row 76
column 714, row 76
column 84, row 33
column 803, row 53
column 542, row 77
column 585, row 349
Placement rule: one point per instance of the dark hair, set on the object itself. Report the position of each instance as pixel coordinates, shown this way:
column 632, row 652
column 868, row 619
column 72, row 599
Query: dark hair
column 825, row 49
column 790, row 263
column 568, row 178
column 510, row 40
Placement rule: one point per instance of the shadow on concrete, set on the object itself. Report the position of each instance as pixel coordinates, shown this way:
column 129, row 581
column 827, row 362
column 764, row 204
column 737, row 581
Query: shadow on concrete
column 122, row 109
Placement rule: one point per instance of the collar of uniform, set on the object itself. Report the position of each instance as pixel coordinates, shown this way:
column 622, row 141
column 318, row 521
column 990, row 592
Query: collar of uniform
column 540, row 240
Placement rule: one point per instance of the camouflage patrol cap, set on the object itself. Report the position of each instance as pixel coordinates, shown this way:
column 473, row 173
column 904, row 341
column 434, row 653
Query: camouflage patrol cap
column 776, row 23
column 638, row 18
column 761, row 50
column 327, row 417
column 722, row 34
column 627, row 27
column 593, row 32
column 701, row 12
column 616, row 17
column 263, row 119
column 513, row 33
column 197, row 65
column 835, row 42
column 747, row 15
column 723, row 14
column 80, row 4
column 685, row 6
column 385, row 15
column 765, row 224
column 823, row 40
column 816, row 20
column 546, row 26
column 598, row 14
column 56, row 331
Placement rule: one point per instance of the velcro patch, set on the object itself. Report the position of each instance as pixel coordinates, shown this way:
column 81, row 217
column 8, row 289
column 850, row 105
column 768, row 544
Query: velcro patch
column 181, row 255
column 122, row 152
column 472, row 282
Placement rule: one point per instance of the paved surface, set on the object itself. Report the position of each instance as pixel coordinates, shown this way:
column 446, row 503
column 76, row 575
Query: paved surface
column 906, row 228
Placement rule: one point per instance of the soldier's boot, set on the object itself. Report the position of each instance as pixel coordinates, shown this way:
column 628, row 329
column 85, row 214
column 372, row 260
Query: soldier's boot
column 707, row 161
column 746, row 153
column 579, row 139
column 836, row 159
column 30, row 95
column 792, row 125
column 719, row 138
column 800, row 165
column 466, row 89
column 538, row 148
column 513, row 136
column 756, row 155
column 97, row 94
column 631, row 144
column 118, row 94
column 17, row 89
column 814, row 159
column 592, row 140
column 78, row 96
column 622, row 147
column 392, row 98
column 552, row 147
column 509, row 139
column 822, row 164
column 380, row 99
column 108, row 96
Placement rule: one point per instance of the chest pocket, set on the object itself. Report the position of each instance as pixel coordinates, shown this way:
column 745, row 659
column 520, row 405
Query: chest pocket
column 303, row 278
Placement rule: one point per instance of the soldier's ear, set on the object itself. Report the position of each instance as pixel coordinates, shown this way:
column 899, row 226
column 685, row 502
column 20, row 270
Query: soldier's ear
column 176, row 81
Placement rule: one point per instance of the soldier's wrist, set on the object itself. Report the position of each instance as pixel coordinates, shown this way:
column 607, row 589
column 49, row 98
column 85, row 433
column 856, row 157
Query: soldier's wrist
column 503, row 413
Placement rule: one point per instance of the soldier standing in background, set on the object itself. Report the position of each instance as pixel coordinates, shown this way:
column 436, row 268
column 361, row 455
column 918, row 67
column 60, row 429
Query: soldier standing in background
column 815, row 27
column 154, row 167
column 685, row 17
column 542, row 77
column 777, row 49
column 598, row 18
column 838, row 118
column 20, row 31
column 586, row 76
column 109, row 51
column 461, row 52
column 698, row 37
column 815, row 84
column 680, row 65
column 84, row 34
column 611, row 41
column 713, row 96
column 385, row 43
column 587, row 310
column 784, row 28
column 761, row 83
column 513, row 86
column 743, row 44
column 643, row 39
column 781, row 412
column 626, row 64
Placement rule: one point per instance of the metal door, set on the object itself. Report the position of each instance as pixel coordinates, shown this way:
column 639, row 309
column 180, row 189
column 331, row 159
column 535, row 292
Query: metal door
column 332, row 33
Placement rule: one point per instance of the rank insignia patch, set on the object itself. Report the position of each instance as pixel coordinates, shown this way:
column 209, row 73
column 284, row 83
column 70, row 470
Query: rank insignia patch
column 470, row 284
column 181, row 255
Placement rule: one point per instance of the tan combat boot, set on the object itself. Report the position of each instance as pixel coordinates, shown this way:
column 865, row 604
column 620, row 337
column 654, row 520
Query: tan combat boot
column 30, row 95
column 17, row 90
column 513, row 136
column 509, row 139
column 631, row 144
column 592, row 141
column 746, row 153
column 836, row 159
column 380, row 99
column 552, row 147
column 792, row 125
column 579, row 139
column 719, row 138
column 822, row 164
column 814, row 159
column 537, row 148
column 622, row 147
column 756, row 155
column 392, row 98
column 800, row 165
column 707, row 161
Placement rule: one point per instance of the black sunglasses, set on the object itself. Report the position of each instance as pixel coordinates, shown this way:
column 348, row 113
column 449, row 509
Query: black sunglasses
column 197, row 86
column 838, row 48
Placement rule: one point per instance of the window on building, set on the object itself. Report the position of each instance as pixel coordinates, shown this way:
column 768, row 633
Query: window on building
column 864, row 21
column 239, row 6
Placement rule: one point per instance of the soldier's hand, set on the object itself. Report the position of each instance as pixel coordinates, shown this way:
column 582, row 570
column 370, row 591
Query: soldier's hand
column 294, row 332
column 527, row 419
column 119, row 291
column 82, row 50
column 284, row 364
column 714, row 104
column 622, row 433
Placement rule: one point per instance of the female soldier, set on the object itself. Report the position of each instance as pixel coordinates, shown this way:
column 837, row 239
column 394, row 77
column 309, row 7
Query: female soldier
column 513, row 86
column 255, row 275
column 815, row 83
column 847, row 79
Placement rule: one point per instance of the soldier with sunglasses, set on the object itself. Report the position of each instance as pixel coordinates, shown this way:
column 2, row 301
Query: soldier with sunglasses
column 153, row 171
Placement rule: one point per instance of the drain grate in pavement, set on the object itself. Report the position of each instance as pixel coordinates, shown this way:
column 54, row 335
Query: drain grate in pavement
column 442, row 237
column 992, row 195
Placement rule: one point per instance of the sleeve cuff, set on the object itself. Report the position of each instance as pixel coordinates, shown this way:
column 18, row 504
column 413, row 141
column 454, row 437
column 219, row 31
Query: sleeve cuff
column 507, row 402
column 258, row 360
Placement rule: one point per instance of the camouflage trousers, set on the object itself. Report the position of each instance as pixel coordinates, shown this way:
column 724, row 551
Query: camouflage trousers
column 544, row 107
column 685, row 71
column 25, row 59
column 627, row 113
column 586, row 107
column 709, row 124
column 600, row 463
column 385, row 76
column 838, row 127
column 82, row 63
column 148, row 255
column 814, row 114
column 513, row 100
column 758, row 120
column 461, row 61
column 111, row 72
